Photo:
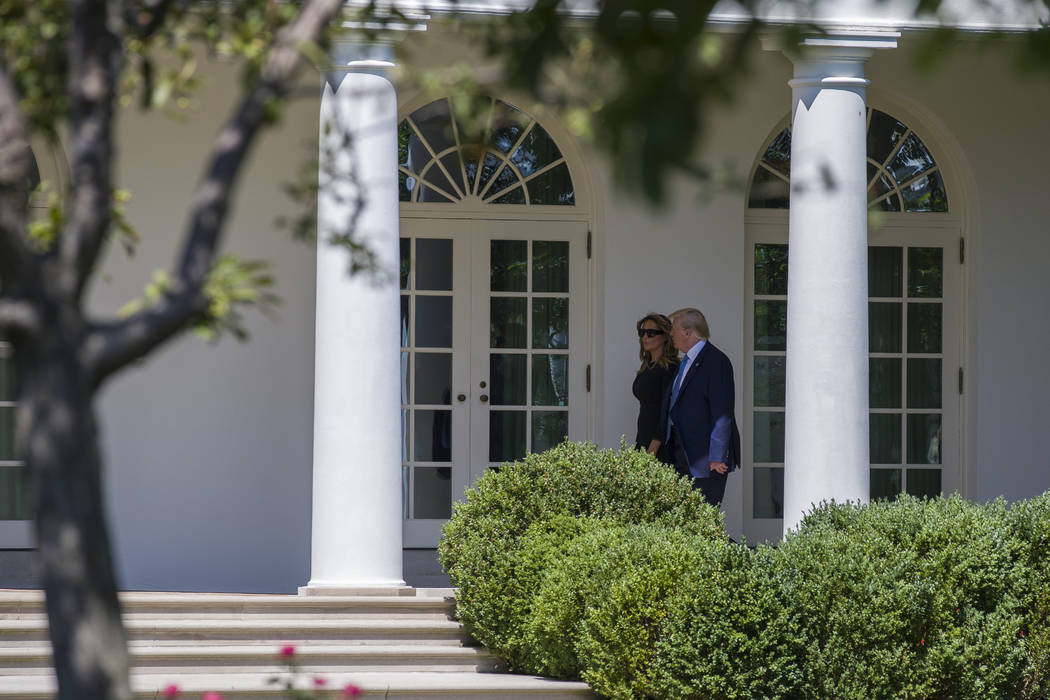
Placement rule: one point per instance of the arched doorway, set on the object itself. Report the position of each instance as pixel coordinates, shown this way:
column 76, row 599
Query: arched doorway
column 494, row 300
column 915, row 289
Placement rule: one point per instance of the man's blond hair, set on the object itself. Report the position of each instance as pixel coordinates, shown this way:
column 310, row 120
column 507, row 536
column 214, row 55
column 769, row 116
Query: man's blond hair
column 693, row 320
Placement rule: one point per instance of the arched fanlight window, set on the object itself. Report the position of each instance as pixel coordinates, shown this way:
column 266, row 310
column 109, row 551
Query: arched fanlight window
column 902, row 175
column 508, row 158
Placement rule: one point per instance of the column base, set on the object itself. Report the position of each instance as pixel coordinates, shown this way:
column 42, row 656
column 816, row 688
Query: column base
column 379, row 588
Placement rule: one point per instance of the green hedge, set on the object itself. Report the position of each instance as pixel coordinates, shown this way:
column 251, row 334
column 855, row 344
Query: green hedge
column 601, row 565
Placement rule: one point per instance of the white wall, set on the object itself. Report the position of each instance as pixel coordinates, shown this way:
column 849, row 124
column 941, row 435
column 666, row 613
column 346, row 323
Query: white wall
column 209, row 447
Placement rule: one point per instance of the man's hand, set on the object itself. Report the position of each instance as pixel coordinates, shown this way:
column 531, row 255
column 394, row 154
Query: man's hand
column 720, row 467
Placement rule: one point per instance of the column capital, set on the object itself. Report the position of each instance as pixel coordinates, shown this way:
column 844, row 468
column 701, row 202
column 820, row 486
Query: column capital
column 840, row 46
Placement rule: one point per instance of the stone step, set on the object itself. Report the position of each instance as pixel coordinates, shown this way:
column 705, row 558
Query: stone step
column 35, row 659
column 272, row 630
column 374, row 685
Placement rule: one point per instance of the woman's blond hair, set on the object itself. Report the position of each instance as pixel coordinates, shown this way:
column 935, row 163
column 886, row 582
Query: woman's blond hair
column 669, row 354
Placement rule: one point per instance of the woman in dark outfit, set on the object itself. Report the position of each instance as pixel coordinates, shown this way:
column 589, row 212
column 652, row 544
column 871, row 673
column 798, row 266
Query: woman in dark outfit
column 659, row 366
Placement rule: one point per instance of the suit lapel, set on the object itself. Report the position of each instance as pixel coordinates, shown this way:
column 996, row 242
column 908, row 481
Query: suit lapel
column 693, row 368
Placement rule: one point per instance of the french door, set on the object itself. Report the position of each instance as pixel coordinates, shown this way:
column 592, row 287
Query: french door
column 493, row 353
column 914, row 368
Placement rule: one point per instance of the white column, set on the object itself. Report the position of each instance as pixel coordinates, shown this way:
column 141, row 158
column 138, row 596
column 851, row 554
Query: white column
column 356, row 537
column 826, row 404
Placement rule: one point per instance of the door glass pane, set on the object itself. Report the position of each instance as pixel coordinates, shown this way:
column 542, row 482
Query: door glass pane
column 509, row 263
column 884, row 382
column 884, row 438
column 884, row 271
column 925, row 272
column 554, row 186
column 884, row 326
column 404, row 436
column 770, row 325
column 769, row 436
column 433, row 378
column 433, row 436
column 911, row 159
column 924, row 483
column 434, row 264
column 924, row 383
column 406, row 304
column 884, row 484
column 550, row 324
column 924, row 438
column 926, row 194
column 507, row 322
column 883, row 134
column 548, row 429
column 769, row 492
column 507, row 379
column 550, row 386
column 432, row 497
column 406, row 385
column 550, row 266
column 406, row 261
column 769, row 380
column 7, row 433
column 13, row 502
column 433, row 322
column 7, row 379
column 506, row 435
column 771, row 269
column 924, row 327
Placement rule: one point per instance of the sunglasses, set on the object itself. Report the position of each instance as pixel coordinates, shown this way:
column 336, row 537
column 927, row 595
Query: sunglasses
column 649, row 332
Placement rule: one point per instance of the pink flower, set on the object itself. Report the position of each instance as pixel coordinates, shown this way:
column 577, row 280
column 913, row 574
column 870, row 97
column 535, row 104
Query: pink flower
column 320, row 682
column 287, row 651
column 351, row 691
column 172, row 691
column 211, row 695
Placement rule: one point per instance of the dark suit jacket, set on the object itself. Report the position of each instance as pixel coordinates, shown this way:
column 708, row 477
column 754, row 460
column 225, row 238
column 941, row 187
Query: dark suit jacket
column 703, row 413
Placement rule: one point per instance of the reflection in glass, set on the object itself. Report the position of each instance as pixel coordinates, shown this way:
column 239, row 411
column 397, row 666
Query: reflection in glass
column 406, row 261
column 488, row 169
column 924, row 327
column 432, row 496
column 537, row 149
column 404, row 435
column 884, row 326
column 429, row 194
column 433, row 378
column 507, row 379
column 433, row 322
column 883, row 134
column 891, row 203
column 926, row 194
column 550, row 384
column 924, row 483
column 884, row 382
column 770, row 325
column 925, row 266
column 550, row 323
column 514, row 196
column 549, row 428
column 405, row 184
column 434, row 264
column 433, row 435
column 7, row 433
column 884, row 271
column 508, row 261
column 769, row 436
column 405, row 378
column 884, row 484
column 454, row 167
column 504, row 179
column 769, row 380
column 404, row 492
column 435, row 125
column 553, row 186
column 550, row 266
column 911, row 159
column 506, row 435
column 924, row 383
column 768, row 191
column 436, row 177
column 771, row 269
column 769, row 492
column 884, row 440
column 405, row 319
column 507, row 322
column 778, row 155
column 508, row 123
column 924, row 438
column 14, row 503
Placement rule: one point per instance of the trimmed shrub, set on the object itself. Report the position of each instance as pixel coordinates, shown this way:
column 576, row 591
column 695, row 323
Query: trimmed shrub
column 912, row 599
column 1030, row 521
column 480, row 545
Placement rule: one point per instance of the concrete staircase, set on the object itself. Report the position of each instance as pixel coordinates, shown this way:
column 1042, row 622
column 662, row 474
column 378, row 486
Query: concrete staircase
column 396, row 647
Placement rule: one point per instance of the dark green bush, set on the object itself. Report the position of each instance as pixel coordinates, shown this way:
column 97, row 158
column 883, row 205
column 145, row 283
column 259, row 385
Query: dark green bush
column 912, row 599
column 480, row 545
column 1031, row 524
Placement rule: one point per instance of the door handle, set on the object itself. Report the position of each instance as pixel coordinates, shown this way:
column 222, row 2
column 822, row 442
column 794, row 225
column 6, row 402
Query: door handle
column 484, row 398
column 461, row 397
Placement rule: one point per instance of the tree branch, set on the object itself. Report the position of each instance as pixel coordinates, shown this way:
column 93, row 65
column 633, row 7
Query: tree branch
column 112, row 346
column 145, row 18
column 15, row 166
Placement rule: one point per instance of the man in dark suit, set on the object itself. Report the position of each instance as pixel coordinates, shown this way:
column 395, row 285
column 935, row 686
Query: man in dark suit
column 697, row 419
